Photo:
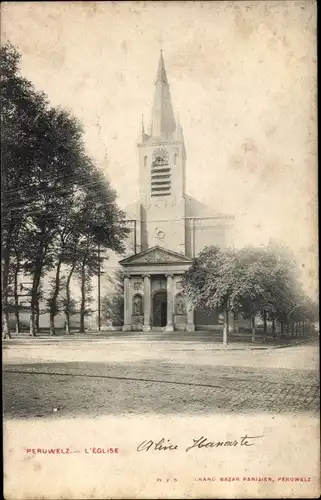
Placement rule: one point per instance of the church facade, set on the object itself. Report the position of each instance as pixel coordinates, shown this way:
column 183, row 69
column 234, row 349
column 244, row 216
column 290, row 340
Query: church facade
column 169, row 228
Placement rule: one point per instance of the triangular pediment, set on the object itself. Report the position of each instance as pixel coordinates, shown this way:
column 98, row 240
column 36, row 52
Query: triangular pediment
column 156, row 255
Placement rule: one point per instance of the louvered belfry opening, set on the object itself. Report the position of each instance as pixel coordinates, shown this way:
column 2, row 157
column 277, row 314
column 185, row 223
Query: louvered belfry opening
column 160, row 176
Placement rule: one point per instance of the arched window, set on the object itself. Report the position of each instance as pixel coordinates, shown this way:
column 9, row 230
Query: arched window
column 137, row 304
column 145, row 161
column 180, row 307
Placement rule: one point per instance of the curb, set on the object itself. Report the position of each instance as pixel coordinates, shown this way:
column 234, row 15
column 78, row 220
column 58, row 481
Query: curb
column 247, row 348
column 293, row 343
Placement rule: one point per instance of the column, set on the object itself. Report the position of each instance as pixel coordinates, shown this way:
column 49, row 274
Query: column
column 147, row 294
column 127, row 304
column 190, row 327
column 169, row 326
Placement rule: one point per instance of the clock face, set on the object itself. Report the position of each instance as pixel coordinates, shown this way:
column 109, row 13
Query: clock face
column 159, row 160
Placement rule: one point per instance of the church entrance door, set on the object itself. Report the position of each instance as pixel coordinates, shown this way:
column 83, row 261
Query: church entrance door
column 160, row 308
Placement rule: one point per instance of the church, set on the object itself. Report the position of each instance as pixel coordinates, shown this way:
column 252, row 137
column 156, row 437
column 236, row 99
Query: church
column 170, row 228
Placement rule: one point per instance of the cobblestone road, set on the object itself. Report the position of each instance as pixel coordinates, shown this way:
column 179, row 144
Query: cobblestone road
column 244, row 382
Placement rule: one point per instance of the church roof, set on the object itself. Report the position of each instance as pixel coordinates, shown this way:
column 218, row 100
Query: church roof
column 156, row 255
column 163, row 122
column 195, row 208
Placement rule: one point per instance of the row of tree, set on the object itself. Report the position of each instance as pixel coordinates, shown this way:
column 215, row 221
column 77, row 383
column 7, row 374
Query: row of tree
column 254, row 282
column 56, row 206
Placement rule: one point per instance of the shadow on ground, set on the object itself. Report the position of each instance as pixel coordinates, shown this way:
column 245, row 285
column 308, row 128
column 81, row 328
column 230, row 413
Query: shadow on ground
column 210, row 338
column 96, row 389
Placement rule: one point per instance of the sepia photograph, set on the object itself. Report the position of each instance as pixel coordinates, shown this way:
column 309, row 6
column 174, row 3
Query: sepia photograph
column 159, row 250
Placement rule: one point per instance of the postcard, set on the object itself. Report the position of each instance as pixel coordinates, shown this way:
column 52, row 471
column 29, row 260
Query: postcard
column 159, row 250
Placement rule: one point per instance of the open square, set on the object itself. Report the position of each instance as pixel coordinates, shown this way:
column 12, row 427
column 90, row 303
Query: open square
column 110, row 375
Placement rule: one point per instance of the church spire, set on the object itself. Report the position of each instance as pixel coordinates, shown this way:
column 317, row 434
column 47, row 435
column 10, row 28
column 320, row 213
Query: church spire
column 163, row 121
column 161, row 73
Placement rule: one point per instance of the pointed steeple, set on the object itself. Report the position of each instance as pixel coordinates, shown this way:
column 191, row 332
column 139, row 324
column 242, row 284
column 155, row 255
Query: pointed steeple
column 161, row 73
column 163, row 121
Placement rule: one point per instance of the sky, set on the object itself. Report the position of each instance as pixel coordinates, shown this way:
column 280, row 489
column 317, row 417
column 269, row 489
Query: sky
column 242, row 78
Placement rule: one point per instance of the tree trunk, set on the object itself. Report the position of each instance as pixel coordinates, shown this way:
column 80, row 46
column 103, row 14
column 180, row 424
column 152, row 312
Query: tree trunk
column 282, row 327
column 273, row 328
column 225, row 329
column 51, row 324
column 16, row 296
column 287, row 328
column 5, row 282
column 83, row 298
column 253, row 327
column 32, row 322
column 5, row 325
column 53, row 301
column 231, row 326
column 68, row 299
column 67, row 323
column 34, row 302
column 37, row 315
column 264, row 325
column 292, row 328
column 264, row 322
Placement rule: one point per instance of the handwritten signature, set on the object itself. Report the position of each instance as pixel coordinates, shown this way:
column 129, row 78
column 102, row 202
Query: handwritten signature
column 201, row 442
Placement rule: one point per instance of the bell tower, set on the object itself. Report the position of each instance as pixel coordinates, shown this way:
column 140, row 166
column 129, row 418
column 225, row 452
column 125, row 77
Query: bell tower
column 162, row 160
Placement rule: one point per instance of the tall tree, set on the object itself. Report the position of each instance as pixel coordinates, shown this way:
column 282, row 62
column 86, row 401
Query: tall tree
column 21, row 107
column 101, row 224
column 271, row 284
column 252, row 281
column 212, row 283
column 54, row 198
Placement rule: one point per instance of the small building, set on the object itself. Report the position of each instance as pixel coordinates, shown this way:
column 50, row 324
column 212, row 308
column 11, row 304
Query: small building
column 169, row 228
